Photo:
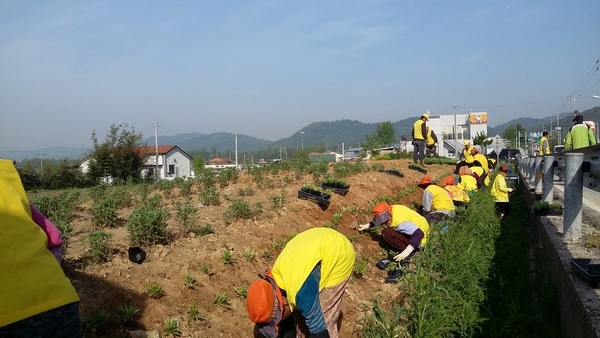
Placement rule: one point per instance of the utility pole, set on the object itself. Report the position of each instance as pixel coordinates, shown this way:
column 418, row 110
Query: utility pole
column 455, row 137
column 41, row 155
column 236, row 152
column 156, row 150
column 558, row 131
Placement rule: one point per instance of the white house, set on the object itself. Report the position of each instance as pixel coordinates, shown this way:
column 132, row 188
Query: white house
column 172, row 162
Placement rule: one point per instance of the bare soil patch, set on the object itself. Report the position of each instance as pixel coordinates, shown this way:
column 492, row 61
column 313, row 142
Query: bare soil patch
column 119, row 281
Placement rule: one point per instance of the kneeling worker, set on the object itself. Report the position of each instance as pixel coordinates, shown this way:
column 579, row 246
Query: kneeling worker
column 406, row 231
column 308, row 281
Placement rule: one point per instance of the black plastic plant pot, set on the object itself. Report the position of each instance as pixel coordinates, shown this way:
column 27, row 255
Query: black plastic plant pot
column 137, row 254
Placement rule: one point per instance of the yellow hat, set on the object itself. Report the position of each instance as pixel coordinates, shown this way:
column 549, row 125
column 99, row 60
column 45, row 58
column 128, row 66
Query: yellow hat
column 426, row 116
column 467, row 142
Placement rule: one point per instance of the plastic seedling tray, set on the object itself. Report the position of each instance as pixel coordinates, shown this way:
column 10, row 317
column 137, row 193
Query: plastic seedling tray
column 339, row 191
column 587, row 269
column 322, row 202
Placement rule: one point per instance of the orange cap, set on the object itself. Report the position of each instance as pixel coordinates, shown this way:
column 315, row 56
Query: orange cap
column 449, row 180
column 260, row 301
column 381, row 213
column 426, row 180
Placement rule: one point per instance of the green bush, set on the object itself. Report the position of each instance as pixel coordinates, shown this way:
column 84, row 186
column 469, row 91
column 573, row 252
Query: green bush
column 99, row 242
column 148, row 222
column 104, row 212
column 210, row 196
column 185, row 215
column 241, row 209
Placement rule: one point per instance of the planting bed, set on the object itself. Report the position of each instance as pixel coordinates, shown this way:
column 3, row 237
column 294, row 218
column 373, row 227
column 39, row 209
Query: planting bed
column 119, row 281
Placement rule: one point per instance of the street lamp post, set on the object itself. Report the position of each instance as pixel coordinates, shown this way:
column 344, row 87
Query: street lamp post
column 302, row 135
column 454, row 132
column 41, row 155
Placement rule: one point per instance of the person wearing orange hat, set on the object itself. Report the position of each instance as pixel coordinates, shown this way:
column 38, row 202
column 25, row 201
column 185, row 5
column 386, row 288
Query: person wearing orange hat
column 406, row 232
column 419, row 135
column 500, row 192
column 468, row 181
column 437, row 204
column 308, row 281
column 458, row 195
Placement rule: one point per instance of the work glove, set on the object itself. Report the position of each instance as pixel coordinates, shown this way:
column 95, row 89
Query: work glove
column 363, row 227
column 402, row 256
column 435, row 144
column 510, row 190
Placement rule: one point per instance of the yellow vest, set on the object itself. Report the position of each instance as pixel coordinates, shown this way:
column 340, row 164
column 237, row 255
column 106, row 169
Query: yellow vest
column 458, row 194
column 441, row 199
column 303, row 252
column 31, row 280
column 483, row 160
column 544, row 146
column 468, row 182
column 430, row 140
column 401, row 214
column 467, row 155
column 418, row 133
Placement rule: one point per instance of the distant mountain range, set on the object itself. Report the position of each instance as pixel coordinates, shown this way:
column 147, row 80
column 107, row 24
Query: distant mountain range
column 330, row 135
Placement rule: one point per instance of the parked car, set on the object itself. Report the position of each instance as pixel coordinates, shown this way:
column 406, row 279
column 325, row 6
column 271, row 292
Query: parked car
column 511, row 154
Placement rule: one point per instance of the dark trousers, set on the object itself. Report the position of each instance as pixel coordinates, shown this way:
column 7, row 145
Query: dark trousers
column 62, row 322
column 502, row 208
column 418, row 150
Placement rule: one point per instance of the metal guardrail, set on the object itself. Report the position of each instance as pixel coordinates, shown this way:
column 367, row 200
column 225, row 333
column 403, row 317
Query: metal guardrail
column 591, row 166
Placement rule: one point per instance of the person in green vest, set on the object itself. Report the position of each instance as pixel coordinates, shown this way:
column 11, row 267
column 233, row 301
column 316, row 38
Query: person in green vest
column 579, row 135
column 544, row 144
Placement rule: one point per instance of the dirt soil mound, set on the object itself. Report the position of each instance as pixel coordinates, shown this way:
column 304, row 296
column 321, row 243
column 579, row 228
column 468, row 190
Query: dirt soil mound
column 118, row 282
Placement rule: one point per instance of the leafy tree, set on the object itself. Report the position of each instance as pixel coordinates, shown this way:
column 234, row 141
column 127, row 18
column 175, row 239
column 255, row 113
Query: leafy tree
column 118, row 156
column 384, row 135
column 481, row 139
column 198, row 164
column 511, row 132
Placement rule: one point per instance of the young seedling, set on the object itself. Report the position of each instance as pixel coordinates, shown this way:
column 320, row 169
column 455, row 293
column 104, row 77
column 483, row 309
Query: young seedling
column 190, row 281
column 267, row 254
column 227, row 257
column 97, row 321
column 203, row 268
column 242, row 291
column 127, row 312
column 360, row 267
column 194, row 313
column 249, row 255
column 172, row 327
column 155, row 290
column 222, row 299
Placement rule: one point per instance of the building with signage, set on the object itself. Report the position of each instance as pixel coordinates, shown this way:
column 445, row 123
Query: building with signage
column 450, row 139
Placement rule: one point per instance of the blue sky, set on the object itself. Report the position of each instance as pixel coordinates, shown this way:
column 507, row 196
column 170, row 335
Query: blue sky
column 269, row 68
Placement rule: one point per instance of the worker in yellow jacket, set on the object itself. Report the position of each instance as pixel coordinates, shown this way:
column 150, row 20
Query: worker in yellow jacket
column 36, row 298
column 308, row 281
column 406, row 231
column 437, row 204
column 544, row 144
column 500, row 193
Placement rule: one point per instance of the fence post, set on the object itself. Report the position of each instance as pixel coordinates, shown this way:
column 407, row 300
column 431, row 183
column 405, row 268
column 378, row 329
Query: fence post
column 573, row 198
column 538, row 174
column 531, row 174
column 548, row 180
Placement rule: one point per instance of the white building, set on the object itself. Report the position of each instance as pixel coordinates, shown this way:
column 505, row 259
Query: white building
column 467, row 127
